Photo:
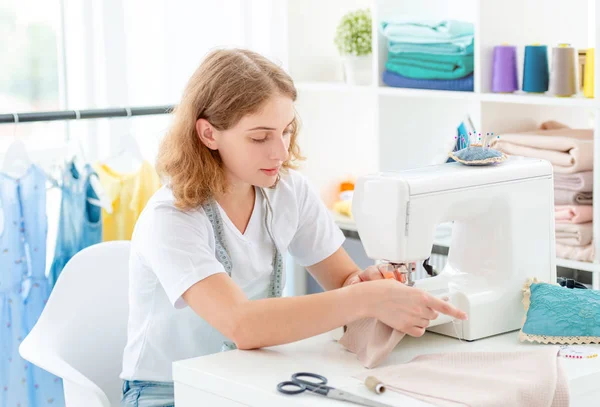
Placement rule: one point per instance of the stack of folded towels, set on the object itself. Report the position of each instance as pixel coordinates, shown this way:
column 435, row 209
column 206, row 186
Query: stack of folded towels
column 571, row 152
column 429, row 55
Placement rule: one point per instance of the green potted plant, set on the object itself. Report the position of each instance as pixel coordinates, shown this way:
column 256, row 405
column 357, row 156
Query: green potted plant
column 353, row 41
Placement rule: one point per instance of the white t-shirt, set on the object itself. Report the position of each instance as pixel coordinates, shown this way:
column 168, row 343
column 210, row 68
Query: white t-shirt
column 171, row 250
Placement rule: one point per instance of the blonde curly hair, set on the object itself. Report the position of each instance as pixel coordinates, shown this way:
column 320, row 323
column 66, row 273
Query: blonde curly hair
column 228, row 85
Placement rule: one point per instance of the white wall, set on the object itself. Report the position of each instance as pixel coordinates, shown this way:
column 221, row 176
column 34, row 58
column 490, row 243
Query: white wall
column 337, row 137
column 311, row 26
column 417, row 132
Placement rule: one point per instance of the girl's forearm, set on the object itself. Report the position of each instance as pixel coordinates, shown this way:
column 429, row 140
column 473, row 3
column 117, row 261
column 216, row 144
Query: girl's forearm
column 276, row 321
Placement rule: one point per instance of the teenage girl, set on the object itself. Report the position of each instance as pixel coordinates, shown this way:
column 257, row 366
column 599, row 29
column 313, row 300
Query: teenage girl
column 206, row 267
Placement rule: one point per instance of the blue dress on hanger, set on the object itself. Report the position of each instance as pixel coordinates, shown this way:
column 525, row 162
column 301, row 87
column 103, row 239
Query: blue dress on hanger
column 24, row 288
column 80, row 223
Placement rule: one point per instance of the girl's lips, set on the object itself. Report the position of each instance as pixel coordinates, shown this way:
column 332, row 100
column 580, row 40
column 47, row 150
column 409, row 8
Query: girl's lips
column 270, row 171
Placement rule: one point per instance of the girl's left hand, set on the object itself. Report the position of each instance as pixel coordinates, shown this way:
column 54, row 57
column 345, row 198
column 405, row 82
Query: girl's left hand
column 371, row 273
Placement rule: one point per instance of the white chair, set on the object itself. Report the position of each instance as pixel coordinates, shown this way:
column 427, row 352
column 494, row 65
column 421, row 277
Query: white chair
column 82, row 331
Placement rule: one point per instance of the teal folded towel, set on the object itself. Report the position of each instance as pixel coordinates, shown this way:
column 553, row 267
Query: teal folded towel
column 430, row 66
column 437, row 48
column 453, row 35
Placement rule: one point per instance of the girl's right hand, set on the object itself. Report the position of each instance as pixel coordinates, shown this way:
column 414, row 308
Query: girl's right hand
column 405, row 308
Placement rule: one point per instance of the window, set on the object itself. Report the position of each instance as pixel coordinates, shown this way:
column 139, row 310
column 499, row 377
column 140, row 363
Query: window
column 29, row 72
column 29, row 77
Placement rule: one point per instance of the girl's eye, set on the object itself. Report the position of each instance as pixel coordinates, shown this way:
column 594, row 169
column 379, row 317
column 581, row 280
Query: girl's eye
column 261, row 140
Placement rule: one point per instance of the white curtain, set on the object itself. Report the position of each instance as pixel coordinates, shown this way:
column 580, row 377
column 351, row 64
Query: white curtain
column 142, row 52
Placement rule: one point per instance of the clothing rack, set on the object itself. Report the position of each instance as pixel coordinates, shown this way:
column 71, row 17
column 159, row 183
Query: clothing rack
column 29, row 117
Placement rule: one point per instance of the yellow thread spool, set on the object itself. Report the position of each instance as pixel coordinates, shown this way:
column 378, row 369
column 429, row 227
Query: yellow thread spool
column 588, row 74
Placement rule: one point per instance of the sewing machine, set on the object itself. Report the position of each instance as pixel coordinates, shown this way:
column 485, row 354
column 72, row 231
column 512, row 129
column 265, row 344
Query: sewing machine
column 502, row 234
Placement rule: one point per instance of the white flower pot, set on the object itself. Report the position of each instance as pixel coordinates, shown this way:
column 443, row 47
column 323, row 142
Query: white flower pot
column 357, row 69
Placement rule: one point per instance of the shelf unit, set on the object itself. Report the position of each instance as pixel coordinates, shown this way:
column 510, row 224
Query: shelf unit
column 379, row 128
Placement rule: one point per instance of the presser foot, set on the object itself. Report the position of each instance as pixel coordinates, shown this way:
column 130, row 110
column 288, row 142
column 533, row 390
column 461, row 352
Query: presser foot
column 403, row 272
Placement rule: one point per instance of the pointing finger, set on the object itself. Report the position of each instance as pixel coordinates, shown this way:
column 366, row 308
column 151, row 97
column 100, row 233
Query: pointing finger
column 444, row 307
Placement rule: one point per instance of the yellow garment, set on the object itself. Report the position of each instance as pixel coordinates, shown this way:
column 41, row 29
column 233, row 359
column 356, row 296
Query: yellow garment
column 128, row 193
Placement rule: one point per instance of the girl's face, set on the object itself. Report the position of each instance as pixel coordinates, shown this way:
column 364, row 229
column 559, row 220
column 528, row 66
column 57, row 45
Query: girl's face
column 255, row 148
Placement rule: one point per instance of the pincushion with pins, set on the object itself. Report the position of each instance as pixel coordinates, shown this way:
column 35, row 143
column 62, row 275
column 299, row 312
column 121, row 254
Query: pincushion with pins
column 478, row 153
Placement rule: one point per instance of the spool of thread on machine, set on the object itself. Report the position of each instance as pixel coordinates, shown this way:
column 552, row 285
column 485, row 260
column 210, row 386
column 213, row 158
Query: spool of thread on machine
column 588, row 75
column 504, row 69
column 535, row 69
column 563, row 81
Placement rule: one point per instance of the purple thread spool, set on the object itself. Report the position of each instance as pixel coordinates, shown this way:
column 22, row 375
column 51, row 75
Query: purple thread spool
column 504, row 70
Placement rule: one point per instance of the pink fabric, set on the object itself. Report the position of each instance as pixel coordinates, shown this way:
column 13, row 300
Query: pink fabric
column 573, row 213
column 371, row 340
column 566, row 197
column 580, row 181
column 579, row 253
column 483, row 379
column 569, row 150
column 574, row 235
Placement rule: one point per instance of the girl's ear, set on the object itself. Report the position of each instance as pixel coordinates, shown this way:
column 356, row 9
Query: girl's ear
column 206, row 133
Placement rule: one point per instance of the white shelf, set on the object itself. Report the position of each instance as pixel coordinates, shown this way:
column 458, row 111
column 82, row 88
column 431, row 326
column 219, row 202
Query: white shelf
column 514, row 98
column 538, row 99
column 383, row 90
column 332, row 87
column 426, row 93
column 578, row 265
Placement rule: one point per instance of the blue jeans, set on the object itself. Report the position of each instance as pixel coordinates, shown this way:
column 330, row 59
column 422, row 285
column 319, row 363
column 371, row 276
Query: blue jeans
column 139, row 393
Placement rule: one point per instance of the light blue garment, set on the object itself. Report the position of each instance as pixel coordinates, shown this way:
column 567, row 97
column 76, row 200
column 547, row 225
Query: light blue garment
column 140, row 393
column 561, row 311
column 80, row 223
column 443, row 37
column 24, row 289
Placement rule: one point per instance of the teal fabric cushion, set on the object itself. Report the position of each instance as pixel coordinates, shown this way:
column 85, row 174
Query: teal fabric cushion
column 477, row 155
column 558, row 314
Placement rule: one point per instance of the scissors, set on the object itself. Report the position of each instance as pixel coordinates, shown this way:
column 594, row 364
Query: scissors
column 298, row 385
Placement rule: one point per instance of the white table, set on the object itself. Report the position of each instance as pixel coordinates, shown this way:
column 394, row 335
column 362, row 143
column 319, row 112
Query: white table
column 249, row 378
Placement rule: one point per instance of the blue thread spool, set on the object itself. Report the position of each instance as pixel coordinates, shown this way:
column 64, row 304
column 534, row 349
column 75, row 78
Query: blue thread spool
column 535, row 69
